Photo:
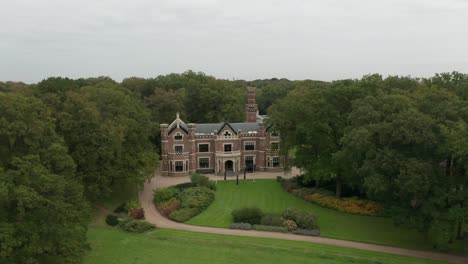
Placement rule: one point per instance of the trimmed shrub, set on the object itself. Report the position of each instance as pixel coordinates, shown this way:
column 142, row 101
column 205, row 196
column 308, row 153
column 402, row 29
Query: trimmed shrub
column 243, row 226
column 279, row 179
column 165, row 194
column 301, row 192
column 136, row 226
column 347, row 205
column 137, row 213
column 307, row 232
column 184, row 214
column 200, row 180
column 132, row 204
column 290, row 225
column 303, row 219
column 183, row 186
column 272, row 220
column 251, row 215
column 196, row 197
column 289, row 185
column 281, row 229
column 112, row 220
column 167, row 207
column 120, row 209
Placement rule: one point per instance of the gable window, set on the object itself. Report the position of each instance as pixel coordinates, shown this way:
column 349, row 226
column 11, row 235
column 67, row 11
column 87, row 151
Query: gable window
column 274, row 146
column 203, row 147
column 179, row 166
column 227, row 134
column 178, row 136
column 249, row 146
column 276, row 162
column 204, row 163
column 227, row 147
column 178, row 149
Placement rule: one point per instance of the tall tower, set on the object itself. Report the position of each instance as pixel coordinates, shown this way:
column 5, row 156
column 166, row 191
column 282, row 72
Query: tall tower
column 251, row 106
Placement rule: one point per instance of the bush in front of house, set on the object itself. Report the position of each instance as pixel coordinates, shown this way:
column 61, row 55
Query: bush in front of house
column 165, row 194
column 251, row 215
column 112, row 220
column 303, row 219
column 307, row 232
column 167, row 207
column 242, row 226
column 279, row 179
column 270, row 228
column 272, row 220
column 183, row 186
column 196, row 197
column 290, row 225
column 136, row 226
column 301, row 192
column 200, row 180
column 184, row 214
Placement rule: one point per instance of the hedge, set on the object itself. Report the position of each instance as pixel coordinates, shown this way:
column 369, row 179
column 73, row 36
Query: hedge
column 270, row 228
column 167, row 207
column 184, row 214
column 243, row 226
column 136, row 213
column 271, row 220
column 251, row 215
column 136, row 226
column 303, row 219
column 307, row 232
column 183, row 186
column 347, row 205
column 200, row 180
column 165, row 194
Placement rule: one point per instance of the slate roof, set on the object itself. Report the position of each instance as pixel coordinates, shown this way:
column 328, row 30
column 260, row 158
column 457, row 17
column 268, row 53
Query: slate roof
column 210, row 128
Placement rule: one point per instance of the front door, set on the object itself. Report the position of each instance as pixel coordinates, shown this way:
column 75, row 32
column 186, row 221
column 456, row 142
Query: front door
column 228, row 165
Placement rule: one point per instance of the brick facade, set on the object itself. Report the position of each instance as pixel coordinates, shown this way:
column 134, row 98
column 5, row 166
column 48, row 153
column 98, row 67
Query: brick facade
column 220, row 147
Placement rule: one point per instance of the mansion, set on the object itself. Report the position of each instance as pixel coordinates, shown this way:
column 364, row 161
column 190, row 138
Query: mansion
column 220, row 147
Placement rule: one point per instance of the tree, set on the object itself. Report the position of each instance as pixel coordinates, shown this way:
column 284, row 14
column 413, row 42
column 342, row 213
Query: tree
column 43, row 213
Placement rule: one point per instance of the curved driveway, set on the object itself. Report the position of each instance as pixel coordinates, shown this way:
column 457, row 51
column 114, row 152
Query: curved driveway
column 153, row 216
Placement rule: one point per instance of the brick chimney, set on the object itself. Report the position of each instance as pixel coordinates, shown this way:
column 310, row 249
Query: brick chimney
column 251, row 106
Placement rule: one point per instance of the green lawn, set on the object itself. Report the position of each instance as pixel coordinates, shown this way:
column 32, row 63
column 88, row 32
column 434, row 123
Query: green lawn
column 270, row 197
column 170, row 246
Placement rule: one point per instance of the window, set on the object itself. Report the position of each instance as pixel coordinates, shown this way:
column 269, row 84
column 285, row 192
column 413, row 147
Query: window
column 227, row 147
column 179, row 166
column 274, row 133
column 276, row 162
column 227, row 134
column 178, row 136
column 203, row 147
column 249, row 146
column 203, row 163
column 178, row 149
column 274, row 146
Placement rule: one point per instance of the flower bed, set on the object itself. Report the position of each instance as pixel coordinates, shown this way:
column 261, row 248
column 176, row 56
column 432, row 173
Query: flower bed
column 346, row 205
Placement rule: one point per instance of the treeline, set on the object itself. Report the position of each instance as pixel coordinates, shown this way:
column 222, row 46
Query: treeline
column 400, row 141
column 65, row 144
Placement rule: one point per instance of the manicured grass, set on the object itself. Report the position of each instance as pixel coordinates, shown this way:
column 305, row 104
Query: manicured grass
column 269, row 196
column 171, row 246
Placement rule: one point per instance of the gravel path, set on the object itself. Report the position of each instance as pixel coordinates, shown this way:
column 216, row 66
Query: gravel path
column 153, row 216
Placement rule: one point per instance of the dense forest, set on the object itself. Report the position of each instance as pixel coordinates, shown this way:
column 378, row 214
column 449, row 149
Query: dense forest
column 65, row 144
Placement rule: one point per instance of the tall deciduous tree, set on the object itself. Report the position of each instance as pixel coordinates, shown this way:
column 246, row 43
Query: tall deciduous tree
column 43, row 213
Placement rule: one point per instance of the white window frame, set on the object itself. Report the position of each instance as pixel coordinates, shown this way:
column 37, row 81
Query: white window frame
column 178, row 134
column 179, row 145
column 175, row 165
column 253, row 143
column 204, row 143
column 209, row 162
column 232, row 147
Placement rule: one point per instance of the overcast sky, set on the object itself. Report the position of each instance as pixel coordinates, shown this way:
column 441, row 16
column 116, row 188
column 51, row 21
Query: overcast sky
column 241, row 39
